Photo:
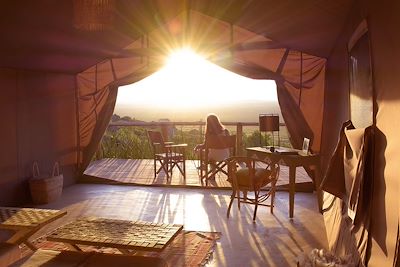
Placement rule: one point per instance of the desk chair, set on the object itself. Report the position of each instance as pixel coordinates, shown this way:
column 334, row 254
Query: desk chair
column 215, row 142
column 167, row 154
column 252, row 175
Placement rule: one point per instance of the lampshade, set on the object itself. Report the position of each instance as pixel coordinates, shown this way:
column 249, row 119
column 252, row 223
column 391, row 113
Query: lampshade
column 93, row 15
column 268, row 122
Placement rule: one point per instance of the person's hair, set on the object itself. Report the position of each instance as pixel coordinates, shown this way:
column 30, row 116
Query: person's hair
column 213, row 125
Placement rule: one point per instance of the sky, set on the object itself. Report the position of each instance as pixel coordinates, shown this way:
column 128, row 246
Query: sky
column 189, row 87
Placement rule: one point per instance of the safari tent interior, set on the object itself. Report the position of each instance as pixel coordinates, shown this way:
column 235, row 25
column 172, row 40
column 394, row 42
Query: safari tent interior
column 59, row 77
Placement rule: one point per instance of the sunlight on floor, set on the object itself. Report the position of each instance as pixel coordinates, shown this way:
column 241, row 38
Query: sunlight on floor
column 273, row 240
column 176, row 206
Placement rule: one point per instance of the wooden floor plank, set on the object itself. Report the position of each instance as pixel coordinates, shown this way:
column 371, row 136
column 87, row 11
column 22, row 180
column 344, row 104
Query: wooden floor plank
column 273, row 240
column 141, row 172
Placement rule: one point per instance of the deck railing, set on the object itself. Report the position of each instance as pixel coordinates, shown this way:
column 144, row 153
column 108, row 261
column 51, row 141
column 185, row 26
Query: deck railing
column 134, row 138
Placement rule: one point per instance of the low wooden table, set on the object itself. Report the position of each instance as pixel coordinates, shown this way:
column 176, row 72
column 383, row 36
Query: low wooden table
column 292, row 158
column 120, row 234
column 25, row 222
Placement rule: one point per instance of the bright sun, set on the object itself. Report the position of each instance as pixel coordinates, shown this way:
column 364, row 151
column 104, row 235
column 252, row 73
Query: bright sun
column 188, row 81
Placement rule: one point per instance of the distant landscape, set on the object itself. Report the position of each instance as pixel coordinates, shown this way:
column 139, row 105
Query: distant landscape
column 130, row 142
column 238, row 112
column 188, row 88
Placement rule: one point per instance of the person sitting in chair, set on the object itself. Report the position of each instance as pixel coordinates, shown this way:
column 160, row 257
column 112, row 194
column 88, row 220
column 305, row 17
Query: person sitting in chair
column 214, row 128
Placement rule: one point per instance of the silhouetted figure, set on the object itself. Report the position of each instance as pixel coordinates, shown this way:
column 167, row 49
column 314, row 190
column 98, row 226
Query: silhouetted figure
column 214, row 128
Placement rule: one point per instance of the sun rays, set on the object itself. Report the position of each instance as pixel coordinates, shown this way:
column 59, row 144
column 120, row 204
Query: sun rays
column 189, row 81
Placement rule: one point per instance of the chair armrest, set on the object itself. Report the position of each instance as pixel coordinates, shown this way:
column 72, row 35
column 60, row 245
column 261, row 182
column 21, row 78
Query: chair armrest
column 176, row 145
column 178, row 148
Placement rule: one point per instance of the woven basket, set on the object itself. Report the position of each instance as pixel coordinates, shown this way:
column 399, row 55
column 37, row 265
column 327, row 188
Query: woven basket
column 46, row 188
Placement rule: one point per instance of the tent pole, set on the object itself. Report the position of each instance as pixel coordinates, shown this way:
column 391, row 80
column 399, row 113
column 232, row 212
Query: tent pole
column 78, row 135
column 301, row 76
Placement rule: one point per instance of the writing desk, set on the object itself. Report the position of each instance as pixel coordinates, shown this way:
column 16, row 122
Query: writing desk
column 120, row 234
column 25, row 222
column 292, row 158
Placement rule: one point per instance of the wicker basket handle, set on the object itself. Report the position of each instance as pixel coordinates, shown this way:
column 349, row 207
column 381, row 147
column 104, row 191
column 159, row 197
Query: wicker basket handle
column 56, row 169
column 35, row 170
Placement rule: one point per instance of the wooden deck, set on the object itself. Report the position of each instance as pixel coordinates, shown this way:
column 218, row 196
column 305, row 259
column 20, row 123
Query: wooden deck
column 140, row 172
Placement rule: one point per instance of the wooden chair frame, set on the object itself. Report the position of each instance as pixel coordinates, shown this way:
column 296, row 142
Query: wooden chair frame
column 261, row 192
column 167, row 154
column 215, row 142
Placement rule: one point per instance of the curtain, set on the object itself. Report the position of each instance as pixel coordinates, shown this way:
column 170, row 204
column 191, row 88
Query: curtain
column 350, row 177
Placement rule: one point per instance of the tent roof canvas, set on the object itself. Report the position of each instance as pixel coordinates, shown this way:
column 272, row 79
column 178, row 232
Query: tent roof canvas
column 40, row 35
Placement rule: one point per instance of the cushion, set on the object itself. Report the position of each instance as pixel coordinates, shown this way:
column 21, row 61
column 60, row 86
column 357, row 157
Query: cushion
column 262, row 177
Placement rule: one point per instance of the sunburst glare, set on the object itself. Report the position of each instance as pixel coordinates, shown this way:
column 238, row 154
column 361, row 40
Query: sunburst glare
column 189, row 81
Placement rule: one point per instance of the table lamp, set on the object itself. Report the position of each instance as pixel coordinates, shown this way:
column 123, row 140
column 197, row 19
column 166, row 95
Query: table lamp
column 269, row 123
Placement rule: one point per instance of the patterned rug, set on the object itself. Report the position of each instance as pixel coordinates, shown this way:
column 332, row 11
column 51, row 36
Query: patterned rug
column 188, row 248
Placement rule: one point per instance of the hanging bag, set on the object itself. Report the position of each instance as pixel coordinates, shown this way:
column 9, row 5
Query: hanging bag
column 45, row 188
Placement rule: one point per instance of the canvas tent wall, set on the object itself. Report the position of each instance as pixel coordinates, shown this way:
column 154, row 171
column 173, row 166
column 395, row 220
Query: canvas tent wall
column 59, row 49
column 38, row 117
column 383, row 23
column 43, row 114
